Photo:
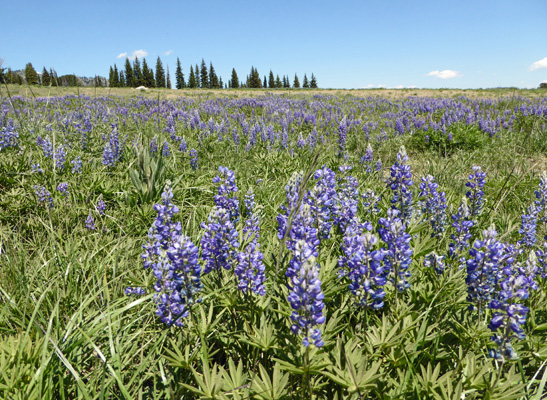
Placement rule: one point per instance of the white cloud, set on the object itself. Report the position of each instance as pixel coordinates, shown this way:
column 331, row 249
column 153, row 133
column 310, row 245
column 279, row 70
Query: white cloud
column 370, row 86
column 139, row 53
column 445, row 74
column 168, row 52
column 122, row 55
column 539, row 64
column 544, row 82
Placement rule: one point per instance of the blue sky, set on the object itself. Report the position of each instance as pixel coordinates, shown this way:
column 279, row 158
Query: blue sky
column 346, row 44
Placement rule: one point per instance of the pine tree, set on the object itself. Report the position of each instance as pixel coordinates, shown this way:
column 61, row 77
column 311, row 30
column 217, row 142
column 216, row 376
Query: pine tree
column 168, row 83
column 204, row 75
column 192, row 79
column 19, row 79
column 122, row 80
column 235, row 80
column 286, row 82
column 139, row 81
column 110, row 77
column 265, row 82
column 313, row 81
column 54, row 78
column 179, row 76
column 147, row 75
column 305, row 84
column 160, row 74
column 46, row 79
column 296, row 83
column 278, row 82
column 196, row 72
column 31, row 75
column 271, row 80
column 213, row 78
column 116, row 77
column 129, row 75
column 253, row 80
column 220, row 83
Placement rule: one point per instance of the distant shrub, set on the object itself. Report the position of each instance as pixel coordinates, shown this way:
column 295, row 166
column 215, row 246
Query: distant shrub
column 457, row 137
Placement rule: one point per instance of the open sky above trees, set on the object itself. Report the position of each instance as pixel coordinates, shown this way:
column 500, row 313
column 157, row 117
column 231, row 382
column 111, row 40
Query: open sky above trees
column 353, row 44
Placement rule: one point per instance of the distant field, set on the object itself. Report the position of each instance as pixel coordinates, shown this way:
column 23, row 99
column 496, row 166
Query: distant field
column 284, row 244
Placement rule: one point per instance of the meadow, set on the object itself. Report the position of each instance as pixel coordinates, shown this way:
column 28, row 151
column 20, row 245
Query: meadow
column 273, row 245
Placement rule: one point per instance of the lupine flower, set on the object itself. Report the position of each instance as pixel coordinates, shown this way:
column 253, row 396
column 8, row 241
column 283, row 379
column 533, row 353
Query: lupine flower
column 462, row 224
column 345, row 209
column 165, row 149
column 399, row 253
column 138, row 291
column 322, row 199
column 363, row 266
column 112, row 152
column 433, row 260
column 378, row 166
column 541, row 202
column 194, row 159
column 227, row 189
column 60, row 158
column 8, row 136
column 153, row 147
column 101, row 206
column 46, row 145
column 219, row 242
column 541, row 255
column 36, row 168
column 90, row 222
column 44, row 197
column 488, row 258
column 63, row 189
column 342, row 138
column 292, row 190
column 183, row 146
column 306, row 297
column 366, row 160
column 509, row 314
column 400, row 182
column 528, row 226
column 434, row 205
column 76, row 165
column 475, row 194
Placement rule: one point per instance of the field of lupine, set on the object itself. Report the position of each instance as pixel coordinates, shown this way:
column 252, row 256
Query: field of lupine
column 273, row 247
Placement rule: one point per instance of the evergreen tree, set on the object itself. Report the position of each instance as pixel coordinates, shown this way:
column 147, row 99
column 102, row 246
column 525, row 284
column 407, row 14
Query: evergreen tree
column 31, row 75
column 110, row 77
column 129, row 75
column 192, row 79
column 278, row 82
column 46, row 79
column 253, row 80
column 213, row 78
column 147, row 75
column 305, row 84
column 196, row 72
column 116, row 77
column 53, row 77
column 19, row 79
column 179, row 76
column 139, row 80
column 296, row 83
column 271, row 80
column 122, row 80
column 220, row 83
column 2, row 72
column 235, row 80
column 286, row 81
column 168, row 83
column 313, row 81
column 160, row 74
column 265, row 82
column 204, row 75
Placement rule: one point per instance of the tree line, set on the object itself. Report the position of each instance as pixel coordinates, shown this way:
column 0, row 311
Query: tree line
column 47, row 78
column 134, row 74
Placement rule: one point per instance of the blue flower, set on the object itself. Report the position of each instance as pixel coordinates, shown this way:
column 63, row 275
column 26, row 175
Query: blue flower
column 90, row 222
column 194, row 159
column 219, row 241
column 400, row 182
column 475, row 194
column 434, row 205
column 44, row 197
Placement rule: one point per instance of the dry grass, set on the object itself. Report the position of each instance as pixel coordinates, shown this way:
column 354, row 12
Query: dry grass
column 39, row 91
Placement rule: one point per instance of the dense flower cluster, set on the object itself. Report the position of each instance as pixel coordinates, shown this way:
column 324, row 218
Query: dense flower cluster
column 400, row 182
column 113, row 150
column 219, row 241
column 462, row 224
column 194, row 159
column 475, row 194
column 347, row 200
column 321, row 199
column 8, row 136
column 528, row 226
column 90, row 222
column 63, row 189
column 173, row 259
column 306, row 296
column 101, row 206
column 399, row 253
column 434, row 205
column 44, row 197
column 364, row 267
column 76, row 165
column 60, row 158
column 226, row 193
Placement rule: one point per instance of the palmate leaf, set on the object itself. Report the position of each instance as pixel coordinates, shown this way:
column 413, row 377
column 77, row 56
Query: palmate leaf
column 210, row 383
column 266, row 388
column 263, row 338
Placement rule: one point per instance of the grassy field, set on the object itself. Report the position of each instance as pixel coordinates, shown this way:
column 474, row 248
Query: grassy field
column 372, row 223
